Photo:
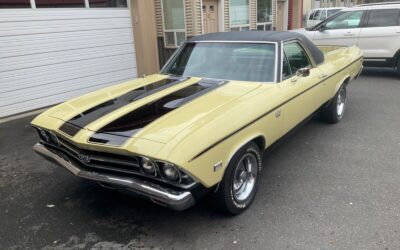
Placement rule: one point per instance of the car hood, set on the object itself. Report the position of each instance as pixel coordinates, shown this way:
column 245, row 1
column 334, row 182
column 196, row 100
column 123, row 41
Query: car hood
column 155, row 108
column 301, row 31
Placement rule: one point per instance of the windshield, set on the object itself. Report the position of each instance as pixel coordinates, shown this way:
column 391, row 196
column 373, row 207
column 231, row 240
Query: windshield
column 333, row 11
column 230, row 61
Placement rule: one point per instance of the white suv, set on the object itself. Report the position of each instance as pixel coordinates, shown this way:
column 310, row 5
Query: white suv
column 375, row 28
column 315, row 16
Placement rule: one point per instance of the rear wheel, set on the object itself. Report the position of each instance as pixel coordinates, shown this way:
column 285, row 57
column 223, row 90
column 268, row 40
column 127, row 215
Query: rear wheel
column 334, row 112
column 398, row 66
column 241, row 179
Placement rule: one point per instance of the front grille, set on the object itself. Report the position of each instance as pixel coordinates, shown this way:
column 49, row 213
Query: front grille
column 103, row 162
column 97, row 160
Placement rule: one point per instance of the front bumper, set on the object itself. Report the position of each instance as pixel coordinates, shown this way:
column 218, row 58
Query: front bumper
column 176, row 200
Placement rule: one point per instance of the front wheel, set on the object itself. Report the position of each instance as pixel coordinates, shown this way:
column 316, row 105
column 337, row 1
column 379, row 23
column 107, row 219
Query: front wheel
column 241, row 179
column 398, row 66
column 334, row 112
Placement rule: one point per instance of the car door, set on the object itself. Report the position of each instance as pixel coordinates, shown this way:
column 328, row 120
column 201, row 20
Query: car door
column 303, row 94
column 381, row 25
column 342, row 29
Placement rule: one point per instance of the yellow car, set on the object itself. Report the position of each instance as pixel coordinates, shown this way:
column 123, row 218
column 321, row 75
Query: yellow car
column 202, row 124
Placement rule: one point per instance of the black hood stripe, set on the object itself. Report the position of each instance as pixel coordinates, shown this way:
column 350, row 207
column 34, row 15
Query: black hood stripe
column 120, row 130
column 74, row 125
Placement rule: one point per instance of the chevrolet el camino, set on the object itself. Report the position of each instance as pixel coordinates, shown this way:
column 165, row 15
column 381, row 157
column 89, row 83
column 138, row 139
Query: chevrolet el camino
column 200, row 126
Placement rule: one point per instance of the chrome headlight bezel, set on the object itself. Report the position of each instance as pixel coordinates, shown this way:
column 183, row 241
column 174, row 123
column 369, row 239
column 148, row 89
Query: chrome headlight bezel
column 144, row 161
column 168, row 167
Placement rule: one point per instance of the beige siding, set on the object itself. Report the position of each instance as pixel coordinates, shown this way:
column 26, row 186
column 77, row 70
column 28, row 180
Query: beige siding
column 188, row 18
column 226, row 15
column 253, row 14
column 198, row 18
column 274, row 6
column 159, row 21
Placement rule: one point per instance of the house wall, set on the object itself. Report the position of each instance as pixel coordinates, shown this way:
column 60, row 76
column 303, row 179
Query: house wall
column 194, row 24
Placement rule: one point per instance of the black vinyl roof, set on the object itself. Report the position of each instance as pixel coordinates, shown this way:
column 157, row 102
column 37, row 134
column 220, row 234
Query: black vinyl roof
column 262, row 36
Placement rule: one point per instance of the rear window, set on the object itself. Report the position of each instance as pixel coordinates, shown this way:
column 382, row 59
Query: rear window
column 383, row 18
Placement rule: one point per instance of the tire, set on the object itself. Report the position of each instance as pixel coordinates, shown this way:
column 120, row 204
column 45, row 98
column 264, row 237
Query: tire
column 239, row 185
column 334, row 112
column 398, row 66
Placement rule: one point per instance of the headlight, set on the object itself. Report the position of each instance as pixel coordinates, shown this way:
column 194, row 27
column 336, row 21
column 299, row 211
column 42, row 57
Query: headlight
column 149, row 167
column 54, row 139
column 170, row 172
column 43, row 135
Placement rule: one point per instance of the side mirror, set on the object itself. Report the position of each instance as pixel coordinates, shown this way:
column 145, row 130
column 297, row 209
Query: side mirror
column 303, row 72
column 321, row 28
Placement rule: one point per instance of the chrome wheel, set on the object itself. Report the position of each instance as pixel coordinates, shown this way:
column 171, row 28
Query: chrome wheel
column 341, row 102
column 245, row 177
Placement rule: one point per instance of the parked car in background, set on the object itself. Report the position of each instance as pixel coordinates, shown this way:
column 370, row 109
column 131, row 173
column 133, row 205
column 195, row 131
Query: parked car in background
column 375, row 28
column 315, row 16
column 201, row 125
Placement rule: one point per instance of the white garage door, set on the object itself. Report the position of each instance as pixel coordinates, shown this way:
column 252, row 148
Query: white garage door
column 50, row 55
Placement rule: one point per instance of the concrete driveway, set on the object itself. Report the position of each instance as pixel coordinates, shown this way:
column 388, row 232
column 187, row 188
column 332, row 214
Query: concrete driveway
column 324, row 187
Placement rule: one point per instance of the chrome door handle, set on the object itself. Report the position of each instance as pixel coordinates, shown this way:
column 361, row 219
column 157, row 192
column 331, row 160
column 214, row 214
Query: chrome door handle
column 323, row 76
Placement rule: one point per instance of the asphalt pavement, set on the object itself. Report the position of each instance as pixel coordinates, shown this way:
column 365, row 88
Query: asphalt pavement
column 323, row 187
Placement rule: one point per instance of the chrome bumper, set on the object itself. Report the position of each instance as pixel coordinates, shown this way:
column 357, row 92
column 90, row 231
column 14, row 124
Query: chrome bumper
column 176, row 200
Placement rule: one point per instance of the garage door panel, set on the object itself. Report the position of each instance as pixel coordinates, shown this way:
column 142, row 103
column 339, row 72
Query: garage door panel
column 11, row 98
column 21, row 48
column 28, row 78
column 52, row 37
column 51, row 100
column 24, row 15
column 39, row 60
column 49, row 56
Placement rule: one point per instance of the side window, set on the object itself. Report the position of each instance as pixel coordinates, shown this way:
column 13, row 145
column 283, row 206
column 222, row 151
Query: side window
column 383, row 18
column 346, row 20
column 311, row 15
column 317, row 15
column 323, row 15
column 286, row 72
column 297, row 58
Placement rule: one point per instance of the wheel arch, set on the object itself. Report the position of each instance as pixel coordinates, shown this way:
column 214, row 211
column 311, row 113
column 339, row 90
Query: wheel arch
column 396, row 59
column 345, row 81
column 259, row 139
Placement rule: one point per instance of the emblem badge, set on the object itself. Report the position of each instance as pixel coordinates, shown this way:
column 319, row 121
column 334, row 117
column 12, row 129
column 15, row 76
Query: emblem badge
column 84, row 158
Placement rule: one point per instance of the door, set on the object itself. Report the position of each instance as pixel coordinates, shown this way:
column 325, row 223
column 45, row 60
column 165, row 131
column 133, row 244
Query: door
column 381, row 25
column 144, row 30
column 210, row 16
column 343, row 29
column 302, row 96
column 280, row 16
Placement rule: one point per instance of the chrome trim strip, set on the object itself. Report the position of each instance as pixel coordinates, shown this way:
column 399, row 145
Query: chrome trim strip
column 375, row 59
column 176, row 200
